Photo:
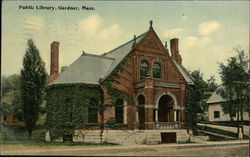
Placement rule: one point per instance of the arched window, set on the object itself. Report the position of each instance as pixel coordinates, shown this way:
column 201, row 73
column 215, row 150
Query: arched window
column 119, row 111
column 141, row 100
column 157, row 70
column 93, row 111
column 143, row 69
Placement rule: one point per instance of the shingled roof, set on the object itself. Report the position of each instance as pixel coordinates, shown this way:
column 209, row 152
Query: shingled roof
column 86, row 69
column 121, row 52
column 89, row 68
column 188, row 78
column 215, row 97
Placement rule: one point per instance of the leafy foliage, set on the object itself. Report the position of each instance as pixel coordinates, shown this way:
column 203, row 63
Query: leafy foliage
column 11, row 96
column 235, row 81
column 114, row 93
column 196, row 97
column 67, row 107
column 33, row 82
column 10, row 83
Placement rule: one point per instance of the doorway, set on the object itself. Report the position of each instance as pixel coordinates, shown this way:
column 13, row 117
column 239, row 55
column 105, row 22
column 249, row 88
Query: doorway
column 165, row 112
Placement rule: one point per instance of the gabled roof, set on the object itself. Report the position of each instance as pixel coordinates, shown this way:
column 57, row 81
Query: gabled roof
column 188, row 78
column 121, row 52
column 87, row 68
column 90, row 68
column 215, row 97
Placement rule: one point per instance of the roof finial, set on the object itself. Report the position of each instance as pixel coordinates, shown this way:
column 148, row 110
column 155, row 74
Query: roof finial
column 151, row 24
column 134, row 43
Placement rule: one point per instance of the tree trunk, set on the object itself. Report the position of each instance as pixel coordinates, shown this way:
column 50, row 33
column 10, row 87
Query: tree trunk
column 241, row 119
column 238, row 129
column 231, row 118
column 102, row 122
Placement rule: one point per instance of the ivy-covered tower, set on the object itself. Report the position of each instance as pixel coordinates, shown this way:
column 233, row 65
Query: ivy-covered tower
column 138, row 85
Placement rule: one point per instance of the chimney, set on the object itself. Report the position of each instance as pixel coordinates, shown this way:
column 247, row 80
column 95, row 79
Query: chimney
column 175, row 50
column 54, row 61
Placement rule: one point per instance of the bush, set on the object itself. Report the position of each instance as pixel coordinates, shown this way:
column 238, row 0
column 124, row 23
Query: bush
column 38, row 135
column 110, row 122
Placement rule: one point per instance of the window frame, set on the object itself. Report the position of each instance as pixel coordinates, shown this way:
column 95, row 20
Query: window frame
column 141, row 68
column 216, row 114
column 156, row 70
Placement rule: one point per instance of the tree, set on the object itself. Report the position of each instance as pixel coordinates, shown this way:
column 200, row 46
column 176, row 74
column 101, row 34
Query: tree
column 195, row 98
column 235, row 81
column 9, row 84
column 212, row 85
column 33, row 82
column 17, row 106
column 11, row 96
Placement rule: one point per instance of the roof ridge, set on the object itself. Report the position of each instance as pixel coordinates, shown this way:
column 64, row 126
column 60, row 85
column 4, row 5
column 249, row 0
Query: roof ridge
column 98, row 56
column 123, row 44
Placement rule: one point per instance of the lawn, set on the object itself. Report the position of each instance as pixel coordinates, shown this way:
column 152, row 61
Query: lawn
column 17, row 135
column 219, row 131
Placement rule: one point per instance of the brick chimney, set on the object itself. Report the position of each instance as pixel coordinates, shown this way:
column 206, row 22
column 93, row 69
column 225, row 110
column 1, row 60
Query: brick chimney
column 175, row 50
column 54, row 61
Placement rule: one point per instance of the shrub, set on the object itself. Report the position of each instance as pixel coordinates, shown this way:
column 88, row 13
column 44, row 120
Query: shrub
column 38, row 135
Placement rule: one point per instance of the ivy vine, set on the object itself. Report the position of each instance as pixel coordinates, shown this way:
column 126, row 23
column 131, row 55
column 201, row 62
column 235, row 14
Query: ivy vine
column 114, row 93
column 67, row 104
column 67, row 107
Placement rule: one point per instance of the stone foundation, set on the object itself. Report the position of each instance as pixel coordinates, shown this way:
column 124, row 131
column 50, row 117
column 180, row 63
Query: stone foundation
column 128, row 137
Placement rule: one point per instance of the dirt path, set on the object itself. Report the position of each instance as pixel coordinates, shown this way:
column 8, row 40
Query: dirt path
column 225, row 148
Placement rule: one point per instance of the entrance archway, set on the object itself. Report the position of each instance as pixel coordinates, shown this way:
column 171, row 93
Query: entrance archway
column 141, row 111
column 165, row 110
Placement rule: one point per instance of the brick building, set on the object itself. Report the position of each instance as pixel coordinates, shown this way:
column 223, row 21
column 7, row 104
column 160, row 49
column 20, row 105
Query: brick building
column 147, row 73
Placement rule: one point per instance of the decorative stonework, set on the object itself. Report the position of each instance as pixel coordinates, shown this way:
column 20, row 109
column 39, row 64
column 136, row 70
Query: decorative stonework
column 150, row 43
column 160, row 94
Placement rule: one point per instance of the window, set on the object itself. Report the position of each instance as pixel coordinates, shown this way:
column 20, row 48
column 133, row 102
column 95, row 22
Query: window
column 157, row 70
column 143, row 70
column 119, row 111
column 92, row 111
column 216, row 114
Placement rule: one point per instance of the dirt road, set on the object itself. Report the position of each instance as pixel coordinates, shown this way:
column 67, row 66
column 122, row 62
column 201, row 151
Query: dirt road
column 219, row 149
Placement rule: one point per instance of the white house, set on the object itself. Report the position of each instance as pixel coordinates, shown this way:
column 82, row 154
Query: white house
column 215, row 110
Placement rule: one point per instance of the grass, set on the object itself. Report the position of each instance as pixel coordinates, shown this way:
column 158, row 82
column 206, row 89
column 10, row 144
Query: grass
column 17, row 135
column 43, row 143
column 219, row 131
column 227, row 123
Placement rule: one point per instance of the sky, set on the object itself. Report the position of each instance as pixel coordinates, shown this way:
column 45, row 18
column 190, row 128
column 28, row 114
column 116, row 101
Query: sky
column 207, row 30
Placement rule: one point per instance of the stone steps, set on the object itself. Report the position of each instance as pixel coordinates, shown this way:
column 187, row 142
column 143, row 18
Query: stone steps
column 128, row 137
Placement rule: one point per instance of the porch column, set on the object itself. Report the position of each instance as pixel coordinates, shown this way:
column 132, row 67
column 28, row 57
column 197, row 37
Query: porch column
column 125, row 112
column 137, row 116
column 156, row 115
column 175, row 116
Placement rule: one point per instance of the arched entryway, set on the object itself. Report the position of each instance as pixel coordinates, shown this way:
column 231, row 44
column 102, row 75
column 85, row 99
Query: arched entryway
column 141, row 111
column 165, row 109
